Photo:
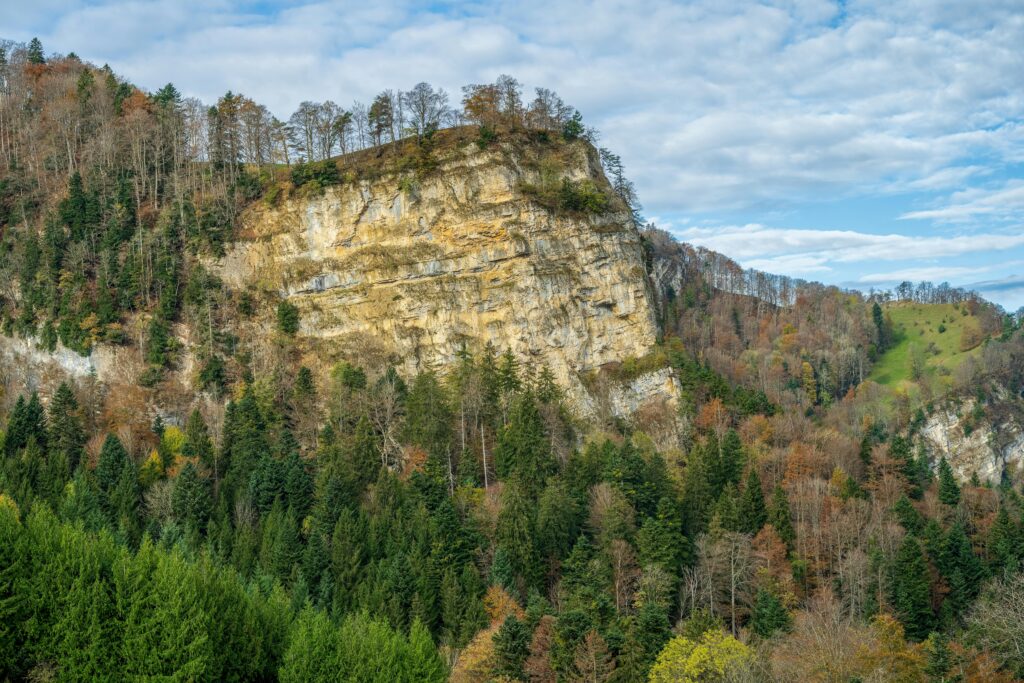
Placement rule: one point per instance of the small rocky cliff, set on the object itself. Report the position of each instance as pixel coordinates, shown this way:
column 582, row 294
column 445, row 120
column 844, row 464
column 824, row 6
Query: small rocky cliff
column 423, row 264
column 976, row 443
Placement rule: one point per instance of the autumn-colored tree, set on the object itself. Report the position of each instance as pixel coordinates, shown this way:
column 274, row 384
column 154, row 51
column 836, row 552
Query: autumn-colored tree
column 714, row 656
column 592, row 663
column 538, row 667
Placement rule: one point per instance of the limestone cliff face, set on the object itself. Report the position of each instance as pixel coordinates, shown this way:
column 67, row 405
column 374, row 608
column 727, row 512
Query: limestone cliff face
column 988, row 447
column 460, row 256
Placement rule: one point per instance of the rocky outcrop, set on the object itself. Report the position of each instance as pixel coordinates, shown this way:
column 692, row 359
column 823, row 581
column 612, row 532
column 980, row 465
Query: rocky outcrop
column 980, row 446
column 461, row 256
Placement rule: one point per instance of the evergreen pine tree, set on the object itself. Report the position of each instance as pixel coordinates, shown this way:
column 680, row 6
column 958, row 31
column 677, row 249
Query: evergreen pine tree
column 881, row 340
column 298, row 485
column 13, row 564
column 87, row 643
column 911, row 592
column 730, row 461
column 769, row 615
column 1002, row 555
column 198, row 443
column 698, row 492
column 939, row 659
column 752, row 512
column 158, row 341
column 511, row 646
column 16, row 435
column 35, row 419
column 909, row 517
column 523, row 449
column 660, row 540
column 191, row 500
column 516, row 536
column 961, row 568
column 287, row 318
column 726, row 515
column 423, row 663
column 66, row 437
column 780, row 518
column 949, row 490
column 35, row 52
column 113, row 460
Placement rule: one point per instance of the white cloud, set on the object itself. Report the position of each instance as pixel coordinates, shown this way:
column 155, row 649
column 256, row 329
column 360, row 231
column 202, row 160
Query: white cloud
column 1007, row 201
column 841, row 246
column 931, row 274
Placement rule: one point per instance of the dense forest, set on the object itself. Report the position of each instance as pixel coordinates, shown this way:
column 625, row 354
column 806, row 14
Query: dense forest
column 268, row 522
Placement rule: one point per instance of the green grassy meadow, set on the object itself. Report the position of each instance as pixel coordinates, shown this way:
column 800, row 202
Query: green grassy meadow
column 933, row 332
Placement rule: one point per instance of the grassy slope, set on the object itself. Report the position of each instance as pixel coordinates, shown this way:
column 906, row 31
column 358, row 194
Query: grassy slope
column 917, row 326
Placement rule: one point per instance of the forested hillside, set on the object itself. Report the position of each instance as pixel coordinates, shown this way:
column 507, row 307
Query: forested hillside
column 217, row 506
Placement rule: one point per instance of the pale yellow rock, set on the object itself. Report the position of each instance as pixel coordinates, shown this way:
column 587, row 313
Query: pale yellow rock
column 461, row 256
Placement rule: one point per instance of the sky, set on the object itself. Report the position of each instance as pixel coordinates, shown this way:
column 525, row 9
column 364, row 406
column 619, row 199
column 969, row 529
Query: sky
column 856, row 142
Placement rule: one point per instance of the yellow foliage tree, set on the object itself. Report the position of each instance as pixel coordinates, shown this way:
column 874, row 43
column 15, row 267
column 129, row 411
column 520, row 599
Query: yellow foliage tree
column 712, row 657
column 888, row 654
column 173, row 439
column 152, row 469
column 809, row 383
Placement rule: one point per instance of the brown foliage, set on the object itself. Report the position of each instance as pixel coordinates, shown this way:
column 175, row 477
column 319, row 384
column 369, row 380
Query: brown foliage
column 538, row 662
column 593, row 663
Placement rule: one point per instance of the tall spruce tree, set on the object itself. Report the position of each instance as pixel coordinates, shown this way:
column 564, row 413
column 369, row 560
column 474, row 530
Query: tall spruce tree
column 911, row 590
column 66, row 437
column 752, row 512
column 780, row 517
column 949, row 490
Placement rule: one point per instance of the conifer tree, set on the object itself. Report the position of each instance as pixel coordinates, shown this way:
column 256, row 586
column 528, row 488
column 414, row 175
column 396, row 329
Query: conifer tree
column 516, row 536
column 949, row 490
column 287, row 318
column 16, row 434
column 348, row 557
column 660, row 540
column 113, row 460
column 12, row 601
column 311, row 655
column 557, row 521
column 198, row 443
column 752, row 512
column 511, row 646
column 1001, row 543
column 780, row 518
column 423, row 663
column 730, row 461
column 939, row 659
column 27, row 422
column 35, row 52
column 698, row 489
column 523, row 449
column 909, row 517
column 87, row 643
column 298, row 485
column 961, row 568
column 66, row 436
column 911, row 592
column 191, row 500
column 726, row 515
column 769, row 615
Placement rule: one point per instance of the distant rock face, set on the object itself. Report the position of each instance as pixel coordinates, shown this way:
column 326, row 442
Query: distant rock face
column 986, row 448
column 461, row 257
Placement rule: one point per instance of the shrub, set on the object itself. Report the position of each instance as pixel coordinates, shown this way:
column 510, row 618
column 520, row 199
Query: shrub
column 287, row 318
column 322, row 172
